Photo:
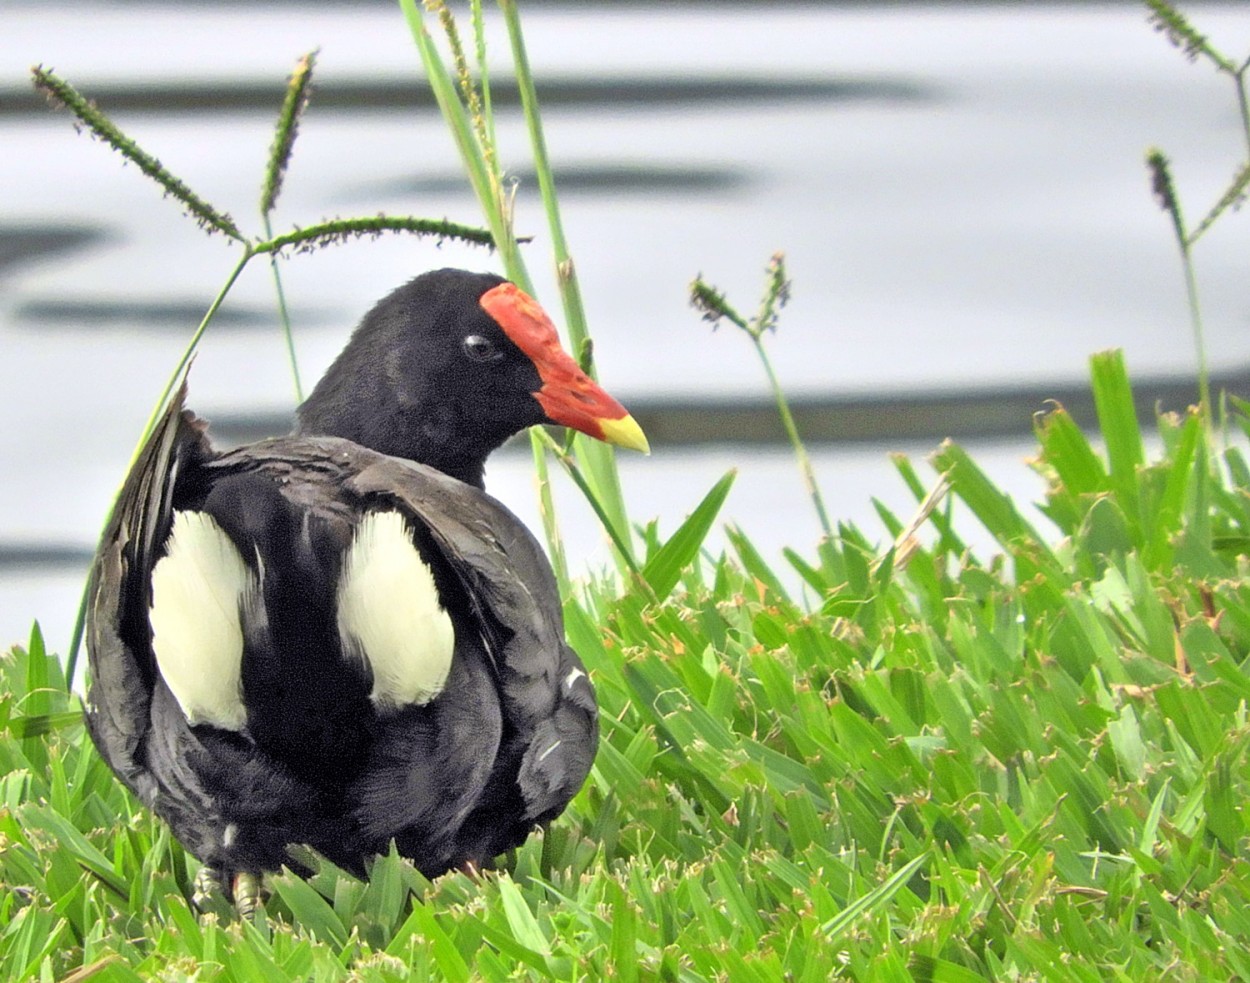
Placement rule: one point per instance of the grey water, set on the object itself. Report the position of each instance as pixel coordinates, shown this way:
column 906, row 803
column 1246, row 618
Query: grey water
column 959, row 190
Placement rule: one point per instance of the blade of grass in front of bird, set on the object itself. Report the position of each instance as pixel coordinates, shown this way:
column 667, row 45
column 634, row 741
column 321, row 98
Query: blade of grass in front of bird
column 312, row 910
column 385, row 893
column 41, row 725
column 423, row 925
column 524, row 926
column 624, row 942
column 67, row 836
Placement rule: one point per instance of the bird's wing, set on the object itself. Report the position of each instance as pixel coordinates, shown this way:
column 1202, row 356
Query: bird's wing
column 547, row 696
column 123, row 672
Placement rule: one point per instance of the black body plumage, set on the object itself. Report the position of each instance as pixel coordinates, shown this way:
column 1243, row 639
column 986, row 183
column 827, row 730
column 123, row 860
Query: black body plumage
column 510, row 736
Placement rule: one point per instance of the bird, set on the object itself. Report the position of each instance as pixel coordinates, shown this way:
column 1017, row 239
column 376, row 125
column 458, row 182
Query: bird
column 336, row 639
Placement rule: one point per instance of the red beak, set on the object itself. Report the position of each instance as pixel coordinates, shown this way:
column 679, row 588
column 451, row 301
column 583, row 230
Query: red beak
column 568, row 395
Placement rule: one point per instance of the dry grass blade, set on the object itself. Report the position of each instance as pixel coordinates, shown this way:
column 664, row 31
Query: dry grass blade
column 906, row 543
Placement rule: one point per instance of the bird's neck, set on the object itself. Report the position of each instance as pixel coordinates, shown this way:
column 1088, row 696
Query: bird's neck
column 423, row 434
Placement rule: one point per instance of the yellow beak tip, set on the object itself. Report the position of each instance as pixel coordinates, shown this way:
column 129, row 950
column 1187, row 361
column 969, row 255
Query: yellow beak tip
column 625, row 432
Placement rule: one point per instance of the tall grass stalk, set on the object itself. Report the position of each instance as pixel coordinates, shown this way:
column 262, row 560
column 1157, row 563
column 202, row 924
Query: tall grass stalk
column 1170, row 21
column 714, row 306
column 599, row 458
column 476, row 144
column 466, row 107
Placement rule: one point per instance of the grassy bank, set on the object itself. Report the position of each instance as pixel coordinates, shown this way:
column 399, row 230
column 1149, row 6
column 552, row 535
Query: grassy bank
column 1028, row 767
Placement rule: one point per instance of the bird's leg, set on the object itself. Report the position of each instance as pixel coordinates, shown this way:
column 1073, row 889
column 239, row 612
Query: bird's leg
column 207, row 889
column 246, row 893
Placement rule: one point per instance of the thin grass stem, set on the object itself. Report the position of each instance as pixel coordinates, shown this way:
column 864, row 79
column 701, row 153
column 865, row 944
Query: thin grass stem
column 284, row 315
column 600, row 459
column 569, row 462
column 1165, row 192
column 796, row 441
column 547, row 513
column 188, row 354
column 80, row 619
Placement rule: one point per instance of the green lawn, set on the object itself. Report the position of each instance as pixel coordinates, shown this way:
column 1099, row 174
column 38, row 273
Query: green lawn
column 932, row 767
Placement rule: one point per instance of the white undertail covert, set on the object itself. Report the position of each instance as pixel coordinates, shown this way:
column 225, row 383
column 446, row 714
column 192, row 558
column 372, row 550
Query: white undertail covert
column 198, row 588
column 390, row 614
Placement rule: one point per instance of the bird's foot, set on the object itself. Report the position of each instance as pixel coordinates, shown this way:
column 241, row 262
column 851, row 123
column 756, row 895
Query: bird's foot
column 208, row 892
column 247, row 894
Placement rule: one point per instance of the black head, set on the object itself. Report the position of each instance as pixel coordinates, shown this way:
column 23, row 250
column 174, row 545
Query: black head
column 449, row 366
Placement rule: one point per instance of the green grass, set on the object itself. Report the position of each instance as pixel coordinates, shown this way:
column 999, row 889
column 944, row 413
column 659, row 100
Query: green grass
column 938, row 768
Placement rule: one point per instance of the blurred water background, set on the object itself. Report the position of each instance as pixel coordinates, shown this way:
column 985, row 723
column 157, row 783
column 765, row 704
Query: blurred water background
column 959, row 189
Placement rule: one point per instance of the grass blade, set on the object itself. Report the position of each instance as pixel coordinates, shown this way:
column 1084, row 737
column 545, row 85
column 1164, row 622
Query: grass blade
column 664, row 568
column 874, row 898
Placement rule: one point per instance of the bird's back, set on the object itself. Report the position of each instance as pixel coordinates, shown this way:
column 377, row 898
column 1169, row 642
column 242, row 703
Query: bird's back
column 304, row 641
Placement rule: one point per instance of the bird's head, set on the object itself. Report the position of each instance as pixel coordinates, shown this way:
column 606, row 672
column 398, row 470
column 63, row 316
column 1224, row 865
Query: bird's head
column 446, row 368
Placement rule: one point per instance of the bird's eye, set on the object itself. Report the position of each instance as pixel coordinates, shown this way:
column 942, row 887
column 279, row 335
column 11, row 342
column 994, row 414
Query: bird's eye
column 480, row 349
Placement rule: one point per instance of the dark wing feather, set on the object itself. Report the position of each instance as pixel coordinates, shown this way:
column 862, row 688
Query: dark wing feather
column 123, row 674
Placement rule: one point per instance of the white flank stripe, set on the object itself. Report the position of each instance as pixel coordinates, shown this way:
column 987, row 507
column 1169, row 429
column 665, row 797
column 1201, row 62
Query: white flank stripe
column 197, row 590
column 390, row 614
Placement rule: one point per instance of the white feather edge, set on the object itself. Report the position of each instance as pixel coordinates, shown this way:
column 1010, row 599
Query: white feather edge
column 198, row 587
column 390, row 614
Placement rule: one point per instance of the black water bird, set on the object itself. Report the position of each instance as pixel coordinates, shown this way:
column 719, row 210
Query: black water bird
column 336, row 638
